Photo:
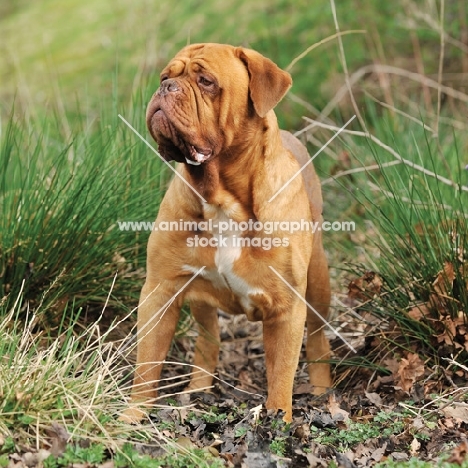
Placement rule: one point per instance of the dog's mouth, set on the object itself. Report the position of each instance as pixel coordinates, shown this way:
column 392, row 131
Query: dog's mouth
column 197, row 156
column 173, row 144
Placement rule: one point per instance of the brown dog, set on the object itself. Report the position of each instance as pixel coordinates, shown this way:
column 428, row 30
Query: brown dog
column 213, row 112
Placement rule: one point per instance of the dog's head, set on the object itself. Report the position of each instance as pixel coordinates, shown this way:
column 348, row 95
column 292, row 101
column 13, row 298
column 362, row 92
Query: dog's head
column 211, row 97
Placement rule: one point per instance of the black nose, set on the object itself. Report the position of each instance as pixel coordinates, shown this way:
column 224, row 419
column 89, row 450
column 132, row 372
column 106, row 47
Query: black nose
column 168, row 86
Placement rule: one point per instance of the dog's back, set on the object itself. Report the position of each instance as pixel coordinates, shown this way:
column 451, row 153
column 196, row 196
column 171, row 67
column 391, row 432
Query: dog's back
column 311, row 180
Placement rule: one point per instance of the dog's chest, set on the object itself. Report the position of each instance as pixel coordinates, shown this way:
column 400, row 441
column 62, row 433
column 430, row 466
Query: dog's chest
column 226, row 236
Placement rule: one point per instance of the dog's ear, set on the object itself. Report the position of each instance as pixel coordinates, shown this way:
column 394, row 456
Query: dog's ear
column 268, row 83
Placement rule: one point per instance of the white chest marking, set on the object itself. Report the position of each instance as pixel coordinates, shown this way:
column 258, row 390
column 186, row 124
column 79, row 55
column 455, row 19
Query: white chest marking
column 227, row 253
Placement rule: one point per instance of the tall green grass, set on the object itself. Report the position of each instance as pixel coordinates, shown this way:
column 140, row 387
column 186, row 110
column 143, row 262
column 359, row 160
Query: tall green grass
column 62, row 254
column 412, row 187
column 61, row 198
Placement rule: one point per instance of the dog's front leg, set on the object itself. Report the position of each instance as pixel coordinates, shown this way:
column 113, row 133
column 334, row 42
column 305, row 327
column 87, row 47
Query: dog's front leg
column 282, row 335
column 158, row 314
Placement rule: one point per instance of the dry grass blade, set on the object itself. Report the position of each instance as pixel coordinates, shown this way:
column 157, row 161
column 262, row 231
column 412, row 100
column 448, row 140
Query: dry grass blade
column 390, row 150
column 318, row 44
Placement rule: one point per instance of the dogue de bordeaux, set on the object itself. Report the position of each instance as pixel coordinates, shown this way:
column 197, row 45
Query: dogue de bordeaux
column 213, row 114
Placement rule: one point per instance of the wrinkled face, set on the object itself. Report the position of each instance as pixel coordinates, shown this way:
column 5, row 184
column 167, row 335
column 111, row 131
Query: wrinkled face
column 202, row 104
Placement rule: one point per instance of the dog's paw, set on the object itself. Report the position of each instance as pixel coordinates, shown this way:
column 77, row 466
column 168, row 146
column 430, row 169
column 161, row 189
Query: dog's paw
column 320, row 390
column 284, row 408
column 132, row 416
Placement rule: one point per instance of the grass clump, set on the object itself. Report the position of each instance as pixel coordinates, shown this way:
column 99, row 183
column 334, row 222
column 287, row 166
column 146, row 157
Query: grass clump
column 68, row 378
column 422, row 220
column 63, row 395
column 412, row 187
column 62, row 200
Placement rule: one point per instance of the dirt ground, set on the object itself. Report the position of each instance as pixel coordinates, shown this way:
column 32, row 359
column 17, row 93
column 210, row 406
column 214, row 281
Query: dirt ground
column 394, row 411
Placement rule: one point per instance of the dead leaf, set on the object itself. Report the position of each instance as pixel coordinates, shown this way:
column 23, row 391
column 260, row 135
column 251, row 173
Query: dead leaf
column 399, row 456
column 245, row 380
column 362, row 451
column 415, row 446
column 60, row 437
column 364, row 288
column 459, row 412
column 35, row 458
column 444, row 278
column 302, row 431
column 378, row 454
column 374, row 398
column 418, row 423
column 420, row 311
column 303, row 389
column 314, row 461
column 392, row 365
column 184, row 443
column 336, row 412
column 217, row 441
column 212, row 451
column 459, row 453
column 241, row 451
column 447, row 423
column 449, row 333
column 108, row 464
column 409, row 371
column 343, row 461
column 443, row 286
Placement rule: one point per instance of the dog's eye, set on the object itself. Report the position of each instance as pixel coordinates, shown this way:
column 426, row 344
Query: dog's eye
column 205, row 81
column 163, row 78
